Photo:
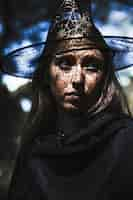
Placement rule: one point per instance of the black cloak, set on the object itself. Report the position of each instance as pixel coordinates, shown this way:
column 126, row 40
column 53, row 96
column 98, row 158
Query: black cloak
column 94, row 164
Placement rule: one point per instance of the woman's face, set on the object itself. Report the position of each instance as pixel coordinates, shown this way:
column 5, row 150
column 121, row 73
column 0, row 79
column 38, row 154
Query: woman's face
column 75, row 79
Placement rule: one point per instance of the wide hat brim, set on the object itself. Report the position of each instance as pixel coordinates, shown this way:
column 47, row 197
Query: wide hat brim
column 23, row 62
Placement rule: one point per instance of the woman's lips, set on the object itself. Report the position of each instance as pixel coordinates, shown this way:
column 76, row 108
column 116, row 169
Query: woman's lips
column 76, row 99
column 73, row 96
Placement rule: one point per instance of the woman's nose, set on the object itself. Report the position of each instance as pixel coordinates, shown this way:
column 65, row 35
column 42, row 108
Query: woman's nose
column 77, row 75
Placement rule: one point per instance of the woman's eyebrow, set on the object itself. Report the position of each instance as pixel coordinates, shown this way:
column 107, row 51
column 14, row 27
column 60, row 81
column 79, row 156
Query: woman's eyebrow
column 63, row 56
column 93, row 57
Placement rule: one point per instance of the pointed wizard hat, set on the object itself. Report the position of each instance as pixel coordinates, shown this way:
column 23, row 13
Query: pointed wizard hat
column 71, row 29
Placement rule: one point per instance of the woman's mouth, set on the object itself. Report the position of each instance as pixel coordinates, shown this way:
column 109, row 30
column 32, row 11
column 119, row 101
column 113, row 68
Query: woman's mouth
column 73, row 96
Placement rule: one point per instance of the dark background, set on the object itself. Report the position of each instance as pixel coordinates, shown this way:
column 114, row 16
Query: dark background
column 25, row 22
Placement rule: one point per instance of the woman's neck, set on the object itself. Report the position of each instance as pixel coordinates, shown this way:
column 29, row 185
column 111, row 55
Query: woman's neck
column 70, row 123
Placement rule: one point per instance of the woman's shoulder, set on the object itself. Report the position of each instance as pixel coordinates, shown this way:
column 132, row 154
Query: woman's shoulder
column 117, row 133
column 125, row 127
column 122, row 143
column 120, row 177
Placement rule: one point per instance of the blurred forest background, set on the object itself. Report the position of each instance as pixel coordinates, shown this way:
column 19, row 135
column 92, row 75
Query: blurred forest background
column 26, row 22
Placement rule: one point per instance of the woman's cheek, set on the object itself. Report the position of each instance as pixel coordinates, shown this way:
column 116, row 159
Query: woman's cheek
column 59, row 84
column 91, row 82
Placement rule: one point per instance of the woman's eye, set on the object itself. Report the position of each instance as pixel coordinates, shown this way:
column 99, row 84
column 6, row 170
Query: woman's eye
column 65, row 64
column 92, row 67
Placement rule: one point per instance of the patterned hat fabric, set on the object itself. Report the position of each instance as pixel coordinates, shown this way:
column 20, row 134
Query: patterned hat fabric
column 71, row 29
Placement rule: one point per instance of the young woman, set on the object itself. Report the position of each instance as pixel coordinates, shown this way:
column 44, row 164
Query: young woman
column 78, row 141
